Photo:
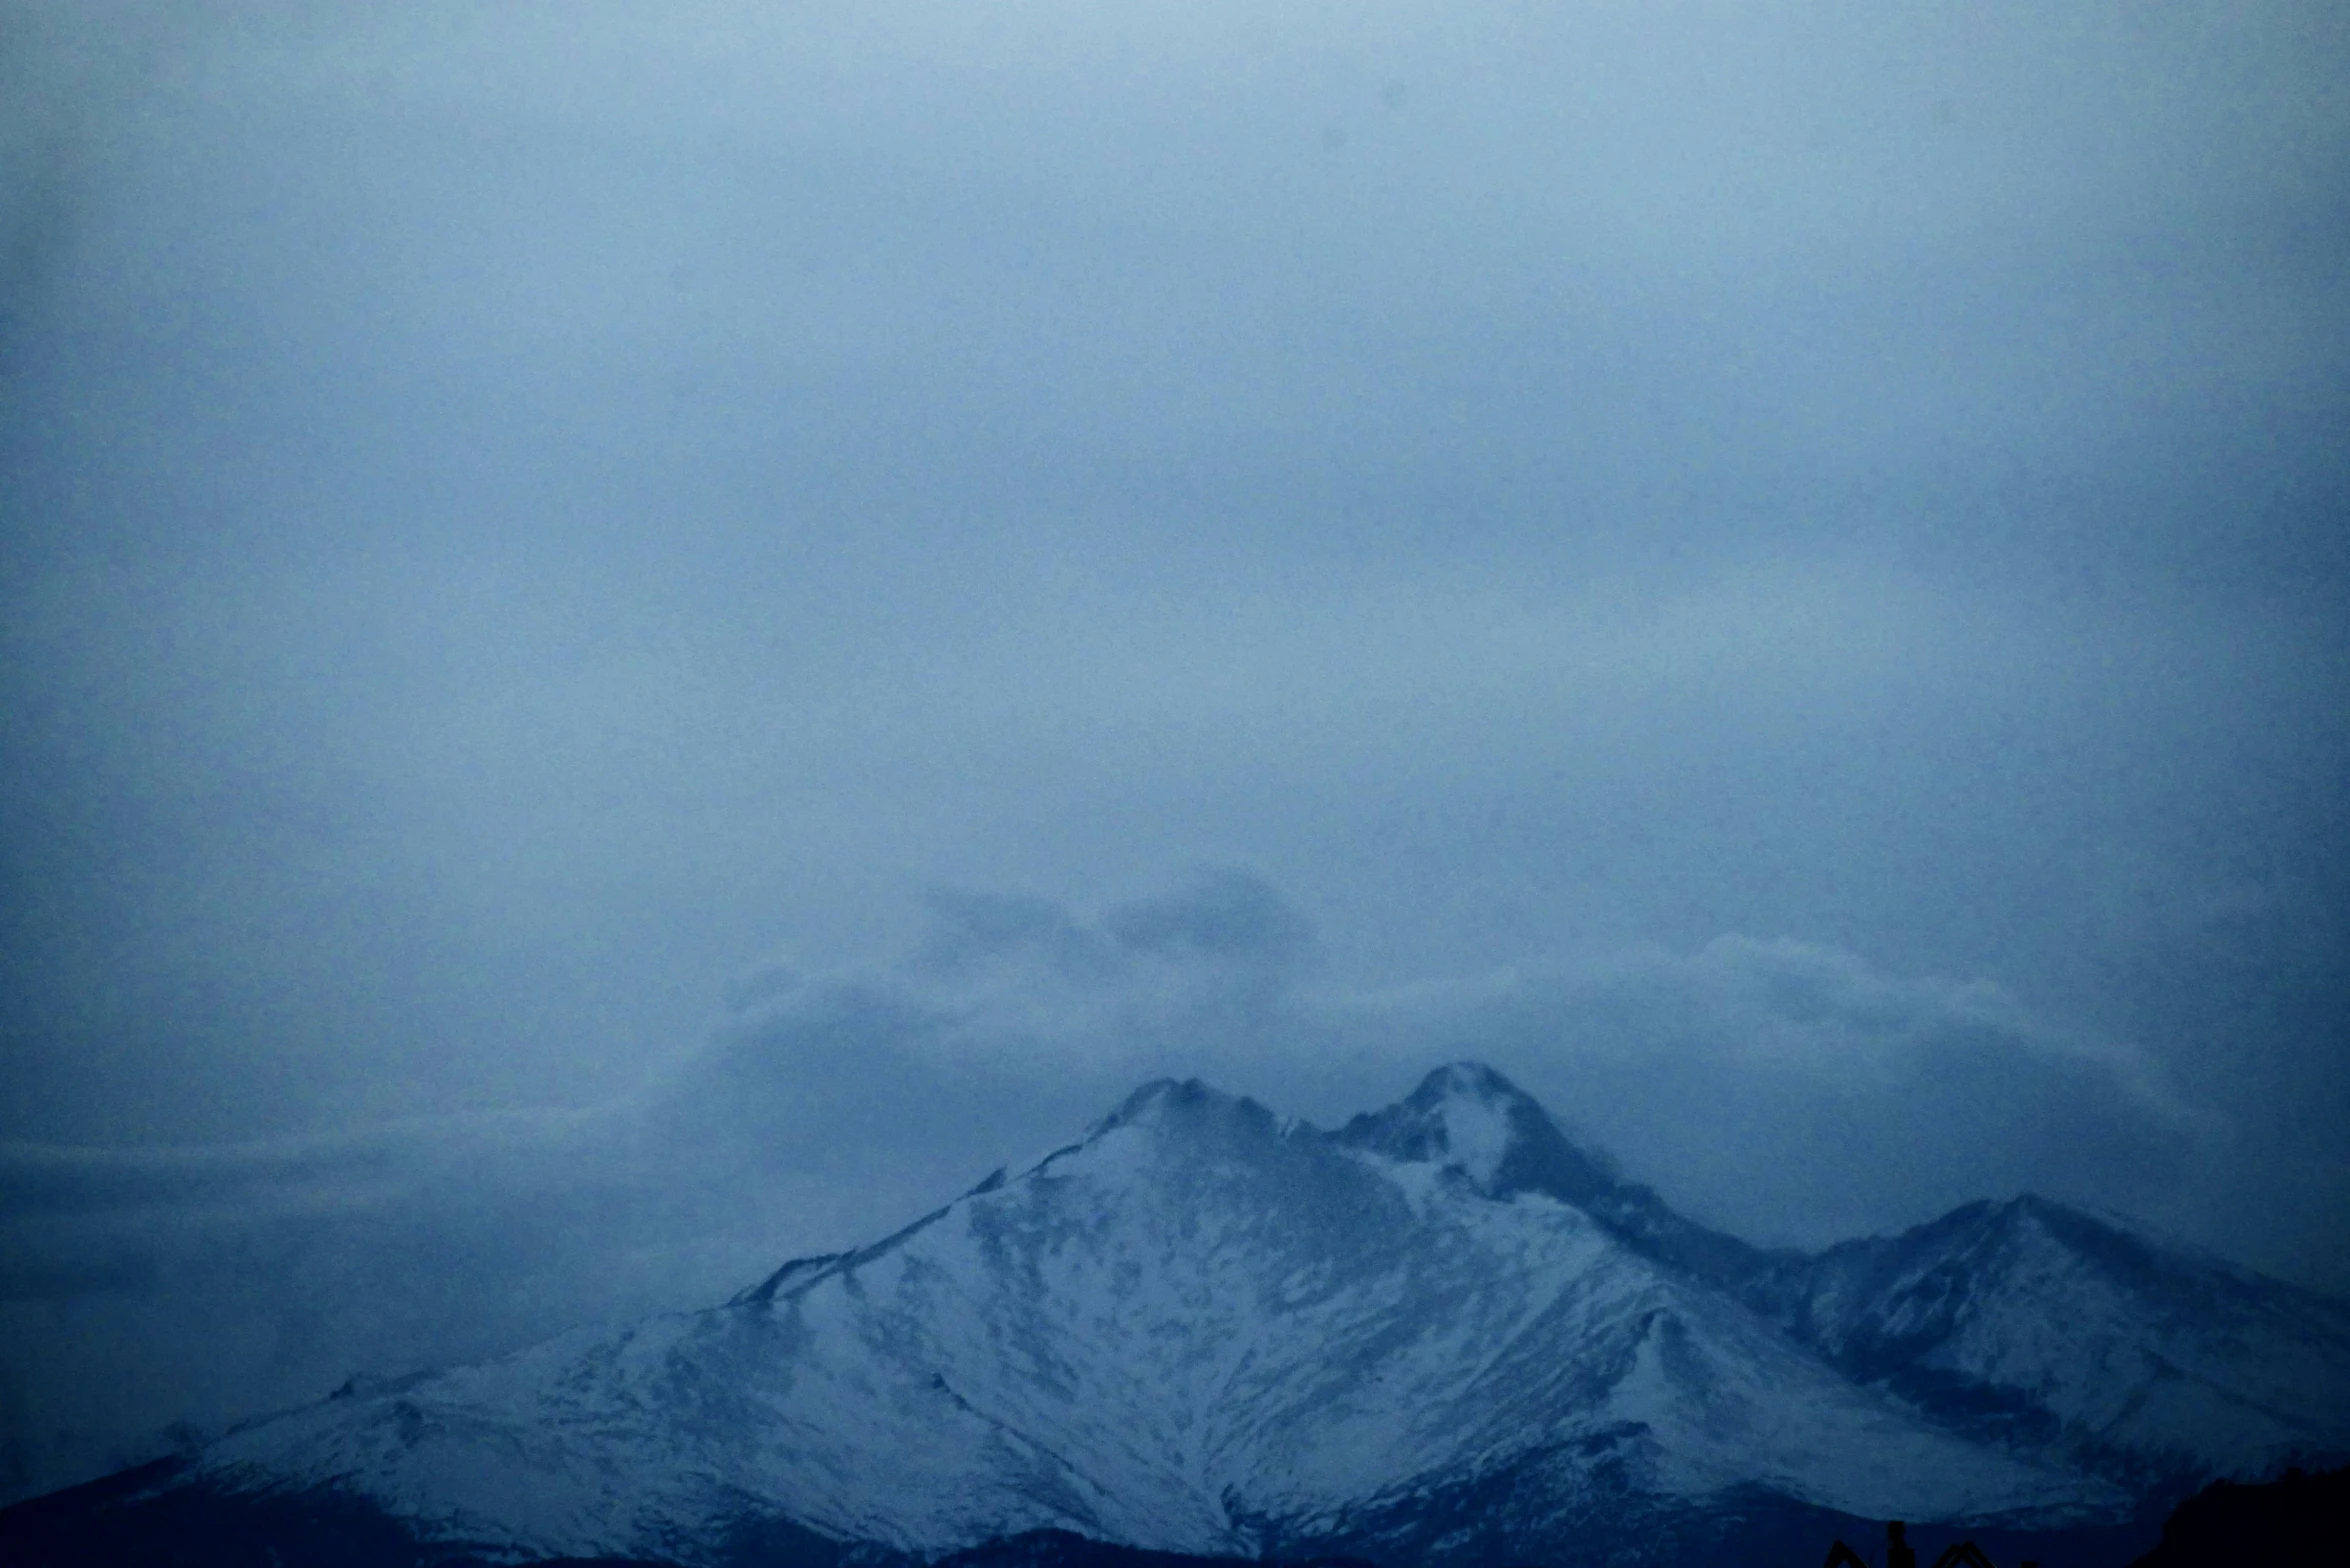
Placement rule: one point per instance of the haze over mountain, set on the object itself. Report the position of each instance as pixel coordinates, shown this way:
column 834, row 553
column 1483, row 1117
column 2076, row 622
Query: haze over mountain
column 1441, row 1334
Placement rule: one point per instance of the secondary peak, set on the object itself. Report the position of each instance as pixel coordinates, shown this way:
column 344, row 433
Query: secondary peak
column 1468, row 1117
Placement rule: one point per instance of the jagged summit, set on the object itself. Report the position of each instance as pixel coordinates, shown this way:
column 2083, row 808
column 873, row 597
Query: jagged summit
column 1184, row 1102
column 1468, row 1117
column 1464, row 1117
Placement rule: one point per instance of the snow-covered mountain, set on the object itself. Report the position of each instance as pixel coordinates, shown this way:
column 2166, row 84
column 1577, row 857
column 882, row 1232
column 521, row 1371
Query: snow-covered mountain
column 2045, row 1330
column 1441, row 1334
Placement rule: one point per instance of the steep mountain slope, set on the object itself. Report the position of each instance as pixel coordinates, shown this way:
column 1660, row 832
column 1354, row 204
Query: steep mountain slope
column 1440, row 1335
column 1199, row 1330
column 2046, row 1329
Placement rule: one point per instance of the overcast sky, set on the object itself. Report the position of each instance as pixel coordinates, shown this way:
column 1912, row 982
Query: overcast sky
column 635, row 638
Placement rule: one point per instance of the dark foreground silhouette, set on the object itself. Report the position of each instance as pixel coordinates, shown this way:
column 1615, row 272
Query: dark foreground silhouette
column 2302, row 1521
column 1899, row 1553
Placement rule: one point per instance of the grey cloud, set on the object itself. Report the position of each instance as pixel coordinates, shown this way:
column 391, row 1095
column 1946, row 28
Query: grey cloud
column 1010, row 1026
column 31, row 1272
column 1789, row 1092
column 43, row 1179
column 1230, row 916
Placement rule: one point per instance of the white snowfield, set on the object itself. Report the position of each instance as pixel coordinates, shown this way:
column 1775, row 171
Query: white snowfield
column 1204, row 1330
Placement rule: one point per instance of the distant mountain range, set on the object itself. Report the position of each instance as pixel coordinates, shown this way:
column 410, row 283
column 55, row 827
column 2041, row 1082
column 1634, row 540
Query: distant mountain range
column 1439, row 1335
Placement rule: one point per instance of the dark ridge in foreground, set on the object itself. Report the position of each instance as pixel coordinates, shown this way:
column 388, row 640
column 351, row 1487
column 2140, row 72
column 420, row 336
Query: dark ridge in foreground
column 2301, row 1521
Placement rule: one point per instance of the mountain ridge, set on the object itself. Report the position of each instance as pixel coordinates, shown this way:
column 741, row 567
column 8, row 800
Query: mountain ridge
column 1441, row 1333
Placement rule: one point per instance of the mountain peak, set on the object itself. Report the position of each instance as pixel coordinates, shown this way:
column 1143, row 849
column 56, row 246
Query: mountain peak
column 1468, row 1080
column 1467, row 1117
column 1169, row 1103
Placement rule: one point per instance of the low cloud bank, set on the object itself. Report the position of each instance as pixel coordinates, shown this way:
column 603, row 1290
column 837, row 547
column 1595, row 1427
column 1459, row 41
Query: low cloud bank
column 1786, row 1091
